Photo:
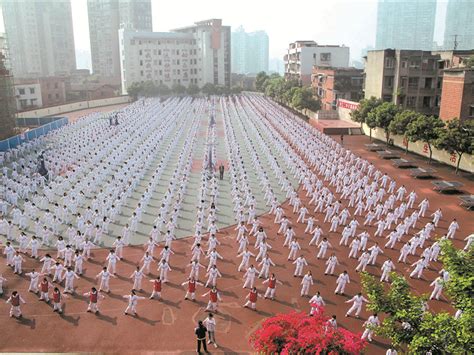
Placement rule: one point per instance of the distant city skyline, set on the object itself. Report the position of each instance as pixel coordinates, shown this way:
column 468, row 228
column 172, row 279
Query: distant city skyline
column 320, row 21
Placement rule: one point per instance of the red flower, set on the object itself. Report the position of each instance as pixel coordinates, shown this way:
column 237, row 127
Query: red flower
column 299, row 333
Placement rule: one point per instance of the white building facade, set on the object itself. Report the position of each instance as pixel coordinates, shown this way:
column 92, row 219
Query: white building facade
column 303, row 55
column 197, row 55
column 28, row 96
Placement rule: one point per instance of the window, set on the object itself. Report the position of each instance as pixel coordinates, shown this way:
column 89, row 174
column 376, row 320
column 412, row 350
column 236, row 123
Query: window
column 471, row 111
column 57, row 96
column 21, row 91
column 355, row 81
column 140, row 52
column 389, row 63
column 325, row 57
column 403, row 81
column 413, row 83
column 415, row 64
column 388, row 81
column 55, row 85
column 387, row 98
column 426, row 101
column 33, row 102
column 428, row 83
column 404, row 63
column 411, row 101
column 32, row 90
column 23, row 103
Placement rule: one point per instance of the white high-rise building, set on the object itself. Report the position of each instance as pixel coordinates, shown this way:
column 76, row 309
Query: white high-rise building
column 197, row 54
column 40, row 37
column 106, row 17
column 249, row 51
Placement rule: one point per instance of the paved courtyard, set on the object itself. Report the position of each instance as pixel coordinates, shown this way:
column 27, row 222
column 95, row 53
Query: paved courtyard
column 160, row 153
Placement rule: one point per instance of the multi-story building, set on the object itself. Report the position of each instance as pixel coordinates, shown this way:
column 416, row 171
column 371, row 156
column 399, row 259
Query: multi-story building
column 53, row 90
column 40, row 37
column 106, row 17
column 303, row 55
column 214, row 45
column 459, row 25
column 28, row 95
column 457, row 98
column 409, row 78
column 7, row 93
column 197, row 54
column 331, row 84
column 249, row 51
column 407, row 25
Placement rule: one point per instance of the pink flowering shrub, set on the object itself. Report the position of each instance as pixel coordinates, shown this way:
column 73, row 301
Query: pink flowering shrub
column 296, row 332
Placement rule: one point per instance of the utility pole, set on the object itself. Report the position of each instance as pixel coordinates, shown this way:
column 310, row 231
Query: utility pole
column 455, row 42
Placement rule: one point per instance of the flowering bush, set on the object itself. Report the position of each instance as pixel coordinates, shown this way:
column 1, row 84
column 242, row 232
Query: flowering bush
column 296, row 332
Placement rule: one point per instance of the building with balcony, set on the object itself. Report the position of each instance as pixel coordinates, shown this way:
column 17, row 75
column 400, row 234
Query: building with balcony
column 197, row 55
column 301, row 56
column 410, row 78
column 331, row 84
column 457, row 97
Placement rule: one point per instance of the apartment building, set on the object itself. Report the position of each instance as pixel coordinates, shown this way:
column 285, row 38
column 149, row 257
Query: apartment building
column 410, row 78
column 457, row 97
column 197, row 54
column 331, row 84
column 301, row 56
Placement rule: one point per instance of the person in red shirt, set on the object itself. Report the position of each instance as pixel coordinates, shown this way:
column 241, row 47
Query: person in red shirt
column 272, row 281
column 15, row 300
column 191, row 292
column 156, row 288
column 44, row 287
column 252, row 299
column 94, row 296
column 214, row 297
column 57, row 300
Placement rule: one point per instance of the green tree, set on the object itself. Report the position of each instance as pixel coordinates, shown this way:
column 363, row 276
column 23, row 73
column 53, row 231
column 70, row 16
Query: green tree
column 260, row 80
column 192, row 89
column 163, row 90
column 208, row 89
column 235, row 90
column 470, row 62
column 383, row 115
column 365, row 106
column 457, row 138
column 303, row 99
column 371, row 122
column 425, row 129
column 439, row 333
column 401, row 121
column 134, row 90
column 178, row 89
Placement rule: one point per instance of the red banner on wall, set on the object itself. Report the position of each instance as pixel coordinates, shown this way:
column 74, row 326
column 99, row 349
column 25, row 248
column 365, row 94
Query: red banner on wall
column 351, row 105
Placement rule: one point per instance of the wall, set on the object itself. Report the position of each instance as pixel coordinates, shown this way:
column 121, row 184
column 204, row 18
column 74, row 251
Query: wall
column 82, row 105
column 467, row 161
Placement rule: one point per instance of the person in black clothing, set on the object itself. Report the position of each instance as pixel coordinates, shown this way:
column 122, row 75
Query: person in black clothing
column 200, row 332
column 342, row 139
column 221, row 172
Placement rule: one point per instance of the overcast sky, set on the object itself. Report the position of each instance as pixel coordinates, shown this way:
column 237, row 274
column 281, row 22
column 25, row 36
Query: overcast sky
column 348, row 22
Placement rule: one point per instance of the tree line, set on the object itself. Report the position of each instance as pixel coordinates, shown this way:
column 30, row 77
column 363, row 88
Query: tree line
column 454, row 136
column 150, row 89
column 288, row 92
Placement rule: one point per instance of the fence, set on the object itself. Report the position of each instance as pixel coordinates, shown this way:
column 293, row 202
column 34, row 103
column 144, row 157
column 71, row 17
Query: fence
column 75, row 106
column 13, row 142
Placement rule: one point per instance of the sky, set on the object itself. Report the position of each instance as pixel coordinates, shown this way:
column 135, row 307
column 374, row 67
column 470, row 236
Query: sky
column 348, row 22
